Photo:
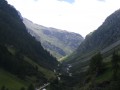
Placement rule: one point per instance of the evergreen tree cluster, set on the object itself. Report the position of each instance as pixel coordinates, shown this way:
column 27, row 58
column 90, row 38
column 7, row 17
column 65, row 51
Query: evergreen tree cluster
column 115, row 65
column 30, row 87
column 13, row 33
column 97, row 68
column 96, row 65
column 17, row 65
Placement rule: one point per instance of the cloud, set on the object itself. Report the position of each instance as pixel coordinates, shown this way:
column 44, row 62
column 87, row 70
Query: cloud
column 102, row 0
column 82, row 16
column 35, row 0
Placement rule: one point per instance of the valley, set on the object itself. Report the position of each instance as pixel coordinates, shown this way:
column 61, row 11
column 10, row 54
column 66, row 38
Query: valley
column 35, row 57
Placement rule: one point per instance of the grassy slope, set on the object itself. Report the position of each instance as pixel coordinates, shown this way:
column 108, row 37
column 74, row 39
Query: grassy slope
column 10, row 81
column 80, row 62
column 106, row 76
column 75, row 57
column 48, row 74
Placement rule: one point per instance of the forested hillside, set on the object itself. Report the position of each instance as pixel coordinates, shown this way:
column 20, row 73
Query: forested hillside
column 20, row 53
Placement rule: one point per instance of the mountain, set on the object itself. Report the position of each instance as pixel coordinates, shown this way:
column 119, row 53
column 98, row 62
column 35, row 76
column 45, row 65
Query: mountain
column 105, row 38
column 107, row 34
column 96, row 61
column 60, row 43
column 20, row 53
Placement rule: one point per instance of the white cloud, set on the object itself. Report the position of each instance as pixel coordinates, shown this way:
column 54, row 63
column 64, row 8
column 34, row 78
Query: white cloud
column 82, row 16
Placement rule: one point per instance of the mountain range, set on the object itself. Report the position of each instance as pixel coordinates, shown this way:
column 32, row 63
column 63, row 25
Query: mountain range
column 59, row 43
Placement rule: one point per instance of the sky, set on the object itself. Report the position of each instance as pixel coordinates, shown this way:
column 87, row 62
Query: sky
column 80, row 16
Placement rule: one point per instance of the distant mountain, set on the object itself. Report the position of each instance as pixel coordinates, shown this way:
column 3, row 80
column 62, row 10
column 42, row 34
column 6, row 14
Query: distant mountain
column 103, row 39
column 60, row 43
column 20, row 53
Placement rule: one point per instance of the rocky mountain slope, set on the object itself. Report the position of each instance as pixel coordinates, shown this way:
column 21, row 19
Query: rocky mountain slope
column 60, row 43
column 105, row 35
column 103, row 39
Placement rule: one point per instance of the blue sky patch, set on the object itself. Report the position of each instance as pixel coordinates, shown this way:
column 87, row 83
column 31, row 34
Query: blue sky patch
column 69, row 1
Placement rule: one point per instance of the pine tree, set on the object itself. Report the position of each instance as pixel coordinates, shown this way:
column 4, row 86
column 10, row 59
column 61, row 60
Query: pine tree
column 96, row 66
column 31, row 87
column 115, row 65
column 22, row 88
column 3, row 88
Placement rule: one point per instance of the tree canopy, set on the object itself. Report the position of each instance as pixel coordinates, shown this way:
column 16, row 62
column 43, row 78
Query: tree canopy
column 96, row 64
